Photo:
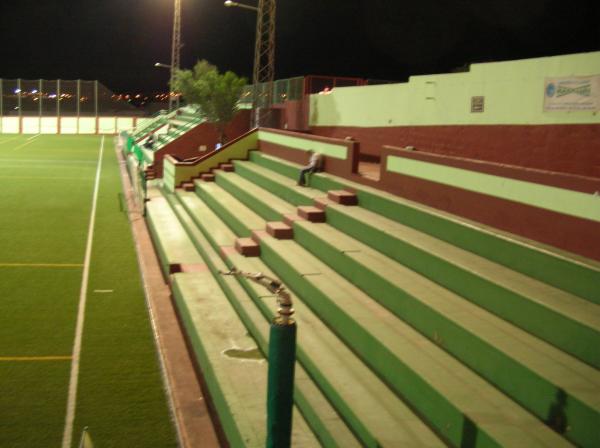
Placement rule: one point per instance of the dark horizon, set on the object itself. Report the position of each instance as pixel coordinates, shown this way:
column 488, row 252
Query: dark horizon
column 376, row 39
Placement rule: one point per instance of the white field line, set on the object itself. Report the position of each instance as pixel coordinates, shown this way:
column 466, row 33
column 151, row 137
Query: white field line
column 72, row 399
column 9, row 139
column 29, row 140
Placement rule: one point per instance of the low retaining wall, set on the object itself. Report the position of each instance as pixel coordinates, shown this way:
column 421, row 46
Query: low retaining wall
column 557, row 209
column 65, row 125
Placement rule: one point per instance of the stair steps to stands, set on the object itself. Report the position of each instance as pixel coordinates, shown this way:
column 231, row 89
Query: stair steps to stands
column 205, row 312
column 390, row 354
column 415, row 311
column 475, row 336
column 374, row 415
column 565, row 271
column 558, row 317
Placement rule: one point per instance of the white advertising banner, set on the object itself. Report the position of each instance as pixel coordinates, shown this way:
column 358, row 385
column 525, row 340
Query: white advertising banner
column 572, row 93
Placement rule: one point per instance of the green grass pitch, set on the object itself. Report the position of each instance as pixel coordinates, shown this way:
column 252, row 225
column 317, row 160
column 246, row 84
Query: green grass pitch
column 46, row 191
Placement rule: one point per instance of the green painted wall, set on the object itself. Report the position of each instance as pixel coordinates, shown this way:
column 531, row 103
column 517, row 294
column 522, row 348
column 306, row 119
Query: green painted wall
column 303, row 144
column 513, row 91
column 559, row 200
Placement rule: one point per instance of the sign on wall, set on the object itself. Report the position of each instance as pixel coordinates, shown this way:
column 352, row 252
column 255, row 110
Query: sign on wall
column 477, row 104
column 572, row 93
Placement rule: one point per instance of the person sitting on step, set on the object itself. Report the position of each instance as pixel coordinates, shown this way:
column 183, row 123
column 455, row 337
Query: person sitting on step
column 315, row 164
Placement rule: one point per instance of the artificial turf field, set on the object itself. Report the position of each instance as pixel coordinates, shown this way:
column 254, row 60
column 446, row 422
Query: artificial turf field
column 47, row 189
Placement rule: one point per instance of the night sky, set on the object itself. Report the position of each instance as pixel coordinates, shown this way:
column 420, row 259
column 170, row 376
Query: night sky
column 118, row 41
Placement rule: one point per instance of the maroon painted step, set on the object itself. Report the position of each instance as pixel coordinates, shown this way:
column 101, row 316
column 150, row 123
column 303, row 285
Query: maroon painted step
column 247, row 247
column 207, row 177
column 289, row 219
column 312, row 214
column 188, row 186
column 280, row 230
column 342, row 197
column 227, row 167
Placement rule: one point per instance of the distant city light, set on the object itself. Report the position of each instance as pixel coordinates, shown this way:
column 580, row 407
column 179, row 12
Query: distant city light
column 34, row 91
column 17, row 90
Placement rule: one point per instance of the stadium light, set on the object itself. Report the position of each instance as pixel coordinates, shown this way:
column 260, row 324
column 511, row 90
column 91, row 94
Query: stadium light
column 229, row 4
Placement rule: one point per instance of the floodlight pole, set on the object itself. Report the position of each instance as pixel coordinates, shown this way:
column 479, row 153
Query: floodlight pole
column 264, row 58
column 175, row 53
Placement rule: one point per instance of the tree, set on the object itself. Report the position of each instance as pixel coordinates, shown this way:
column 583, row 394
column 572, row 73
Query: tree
column 217, row 94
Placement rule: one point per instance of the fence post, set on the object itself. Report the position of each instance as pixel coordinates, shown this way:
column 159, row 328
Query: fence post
column 58, row 130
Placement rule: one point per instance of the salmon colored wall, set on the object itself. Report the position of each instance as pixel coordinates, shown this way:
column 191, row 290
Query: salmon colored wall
column 566, row 148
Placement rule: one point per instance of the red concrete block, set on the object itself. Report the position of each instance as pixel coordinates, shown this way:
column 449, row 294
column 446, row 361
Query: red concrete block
column 207, row 177
column 312, row 214
column 258, row 235
column 280, row 230
column 227, row 167
column 247, row 247
column 188, row 186
column 342, row 197
column 193, row 267
column 321, row 203
column 291, row 218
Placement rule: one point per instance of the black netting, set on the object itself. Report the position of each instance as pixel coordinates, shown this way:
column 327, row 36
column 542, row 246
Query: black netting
column 10, row 97
column 30, row 97
column 49, row 98
column 61, row 97
column 68, row 98
column 111, row 104
column 87, row 98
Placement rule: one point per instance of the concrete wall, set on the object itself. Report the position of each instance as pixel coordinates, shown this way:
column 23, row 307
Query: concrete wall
column 65, row 125
column 433, row 113
column 513, row 91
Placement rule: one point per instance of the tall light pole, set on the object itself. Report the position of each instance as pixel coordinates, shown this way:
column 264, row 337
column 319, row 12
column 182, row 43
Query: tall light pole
column 175, row 53
column 264, row 58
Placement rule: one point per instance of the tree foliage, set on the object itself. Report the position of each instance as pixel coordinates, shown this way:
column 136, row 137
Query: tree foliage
column 216, row 94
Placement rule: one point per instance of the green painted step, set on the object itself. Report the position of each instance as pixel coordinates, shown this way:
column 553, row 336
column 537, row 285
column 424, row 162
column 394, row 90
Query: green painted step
column 529, row 370
column 562, row 319
column 318, row 412
column 571, row 273
column 508, row 357
column 454, row 400
column 377, row 416
column 267, row 205
column 385, row 343
column 243, row 221
column 170, row 240
column 220, row 341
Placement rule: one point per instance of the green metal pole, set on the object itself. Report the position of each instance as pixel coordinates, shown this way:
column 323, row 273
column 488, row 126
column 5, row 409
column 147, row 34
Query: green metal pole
column 280, row 392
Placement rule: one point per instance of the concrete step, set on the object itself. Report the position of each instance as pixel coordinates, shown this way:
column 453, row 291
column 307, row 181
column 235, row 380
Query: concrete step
column 313, row 269
column 407, row 361
column 310, row 213
column 238, row 399
column 188, row 186
column 343, row 197
column 227, row 167
column 475, row 336
column 576, row 275
column 247, row 247
column 207, row 177
column 490, row 285
column 171, row 242
column 280, row 230
column 362, row 400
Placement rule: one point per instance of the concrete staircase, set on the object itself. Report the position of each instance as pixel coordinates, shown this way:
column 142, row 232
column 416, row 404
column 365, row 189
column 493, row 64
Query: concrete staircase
column 414, row 328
